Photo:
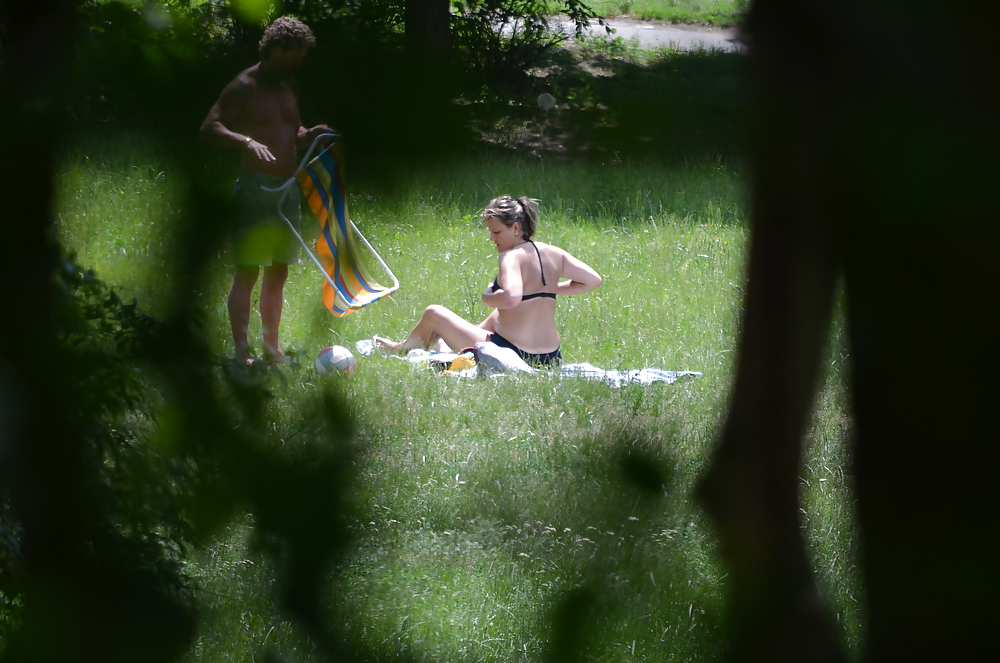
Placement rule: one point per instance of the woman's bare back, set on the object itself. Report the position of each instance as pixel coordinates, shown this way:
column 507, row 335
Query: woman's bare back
column 531, row 324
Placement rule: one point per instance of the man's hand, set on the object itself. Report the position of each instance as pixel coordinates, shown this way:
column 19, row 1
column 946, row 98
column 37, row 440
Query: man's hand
column 261, row 151
column 306, row 137
column 319, row 129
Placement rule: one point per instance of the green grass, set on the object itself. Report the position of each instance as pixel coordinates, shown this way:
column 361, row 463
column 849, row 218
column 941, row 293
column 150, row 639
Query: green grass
column 487, row 506
column 231, row 584
column 714, row 12
column 827, row 492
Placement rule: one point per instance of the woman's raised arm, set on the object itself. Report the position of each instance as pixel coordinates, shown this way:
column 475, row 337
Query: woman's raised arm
column 509, row 295
column 582, row 277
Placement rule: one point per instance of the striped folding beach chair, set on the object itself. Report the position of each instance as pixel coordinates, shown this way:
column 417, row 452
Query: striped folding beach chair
column 347, row 285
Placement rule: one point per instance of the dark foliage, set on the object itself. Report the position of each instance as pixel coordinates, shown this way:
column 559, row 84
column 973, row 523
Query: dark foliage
column 156, row 68
column 874, row 154
column 677, row 106
column 152, row 488
column 123, row 438
column 502, row 39
column 135, row 487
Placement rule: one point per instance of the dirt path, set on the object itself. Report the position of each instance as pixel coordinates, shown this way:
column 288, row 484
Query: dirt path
column 656, row 35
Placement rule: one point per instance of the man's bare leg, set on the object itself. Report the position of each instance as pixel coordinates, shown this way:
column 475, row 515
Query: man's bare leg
column 437, row 323
column 272, row 299
column 239, row 309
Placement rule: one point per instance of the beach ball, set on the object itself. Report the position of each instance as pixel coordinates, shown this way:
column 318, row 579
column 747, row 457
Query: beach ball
column 335, row 359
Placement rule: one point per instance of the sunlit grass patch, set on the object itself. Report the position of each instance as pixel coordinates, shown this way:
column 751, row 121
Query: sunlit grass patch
column 488, row 508
column 117, row 210
column 596, row 496
column 827, row 492
column 715, row 12
column 442, row 594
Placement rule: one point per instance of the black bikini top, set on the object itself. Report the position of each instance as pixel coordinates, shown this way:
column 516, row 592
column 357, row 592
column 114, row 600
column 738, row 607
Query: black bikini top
column 550, row 295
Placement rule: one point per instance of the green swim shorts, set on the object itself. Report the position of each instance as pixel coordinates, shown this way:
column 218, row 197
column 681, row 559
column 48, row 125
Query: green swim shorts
column 260, row 236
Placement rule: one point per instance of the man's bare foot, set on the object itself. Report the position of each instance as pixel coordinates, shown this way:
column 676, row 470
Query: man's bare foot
column 387, row 346
column 244, row 355
column 275, row 356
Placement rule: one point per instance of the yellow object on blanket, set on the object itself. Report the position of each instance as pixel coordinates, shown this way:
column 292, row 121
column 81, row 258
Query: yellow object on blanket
column 462, row 363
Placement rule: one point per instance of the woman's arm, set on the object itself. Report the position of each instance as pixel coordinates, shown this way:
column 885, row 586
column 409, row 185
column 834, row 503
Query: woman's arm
column 509, row 295
column 582, row 277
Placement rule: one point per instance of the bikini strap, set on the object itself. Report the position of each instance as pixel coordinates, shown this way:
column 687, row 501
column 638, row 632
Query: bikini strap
column 539, row 253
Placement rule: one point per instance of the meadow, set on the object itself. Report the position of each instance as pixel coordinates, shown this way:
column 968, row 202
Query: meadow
column 712, row 12
column 498, row 519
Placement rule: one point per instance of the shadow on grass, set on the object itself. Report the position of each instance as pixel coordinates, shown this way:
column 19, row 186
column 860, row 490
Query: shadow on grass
column 614, row 101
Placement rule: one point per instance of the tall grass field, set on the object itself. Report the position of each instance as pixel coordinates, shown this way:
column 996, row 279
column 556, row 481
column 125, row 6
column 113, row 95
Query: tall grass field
column 488, row 507
column 714, row 12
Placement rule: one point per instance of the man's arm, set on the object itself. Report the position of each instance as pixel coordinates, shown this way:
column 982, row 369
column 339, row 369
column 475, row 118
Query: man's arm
column 225, row 111
column 305, row 136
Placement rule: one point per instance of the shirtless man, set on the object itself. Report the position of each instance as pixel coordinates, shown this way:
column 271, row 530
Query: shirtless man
column 258, row 114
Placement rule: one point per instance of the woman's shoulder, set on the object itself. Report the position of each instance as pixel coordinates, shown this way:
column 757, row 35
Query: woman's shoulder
column 550, row 250
column 526, row 249
column 526, row 252
column 545, row 246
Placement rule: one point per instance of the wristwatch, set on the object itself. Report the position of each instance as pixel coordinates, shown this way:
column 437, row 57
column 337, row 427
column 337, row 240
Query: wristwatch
column 249, row 140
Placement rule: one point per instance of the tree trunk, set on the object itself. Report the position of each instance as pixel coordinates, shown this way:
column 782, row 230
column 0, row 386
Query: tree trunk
column 427, row 25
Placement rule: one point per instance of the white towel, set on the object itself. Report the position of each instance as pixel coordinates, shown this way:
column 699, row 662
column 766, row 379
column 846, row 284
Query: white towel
column 494, row 361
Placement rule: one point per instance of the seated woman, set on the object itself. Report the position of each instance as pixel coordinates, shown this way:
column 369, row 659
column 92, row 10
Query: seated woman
column 523, row 294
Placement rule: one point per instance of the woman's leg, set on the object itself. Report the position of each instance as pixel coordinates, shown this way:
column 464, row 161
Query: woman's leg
column 438, row 345
column 490, row 323
column 437, row 322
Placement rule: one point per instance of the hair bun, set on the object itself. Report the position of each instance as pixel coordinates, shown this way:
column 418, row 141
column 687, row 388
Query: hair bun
column 509, row 210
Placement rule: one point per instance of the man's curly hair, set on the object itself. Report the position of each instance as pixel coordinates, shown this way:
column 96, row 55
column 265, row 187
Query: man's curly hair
column 286, row 33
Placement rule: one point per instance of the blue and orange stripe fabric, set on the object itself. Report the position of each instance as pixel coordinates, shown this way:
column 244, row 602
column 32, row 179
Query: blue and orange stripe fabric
column 322, row 184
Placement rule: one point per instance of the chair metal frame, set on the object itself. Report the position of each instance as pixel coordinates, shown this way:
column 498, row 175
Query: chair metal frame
column 291, row 185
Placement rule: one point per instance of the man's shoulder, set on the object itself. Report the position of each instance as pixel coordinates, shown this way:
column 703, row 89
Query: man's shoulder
column 245, row 81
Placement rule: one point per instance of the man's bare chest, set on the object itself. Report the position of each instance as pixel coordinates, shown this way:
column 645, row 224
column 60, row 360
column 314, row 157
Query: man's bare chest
column 271, row 106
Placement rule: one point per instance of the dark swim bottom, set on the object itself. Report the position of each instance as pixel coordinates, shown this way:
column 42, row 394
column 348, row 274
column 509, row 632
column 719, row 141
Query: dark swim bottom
column 260, row 236
column 553, row 358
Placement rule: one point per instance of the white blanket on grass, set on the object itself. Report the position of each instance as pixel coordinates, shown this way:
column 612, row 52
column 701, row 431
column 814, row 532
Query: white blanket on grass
column 492, row 360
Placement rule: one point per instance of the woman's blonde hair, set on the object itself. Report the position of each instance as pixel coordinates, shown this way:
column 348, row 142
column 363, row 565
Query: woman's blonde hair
column 523, row 210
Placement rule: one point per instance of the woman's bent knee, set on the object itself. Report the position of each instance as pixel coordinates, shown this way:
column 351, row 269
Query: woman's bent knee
column 436, row 311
